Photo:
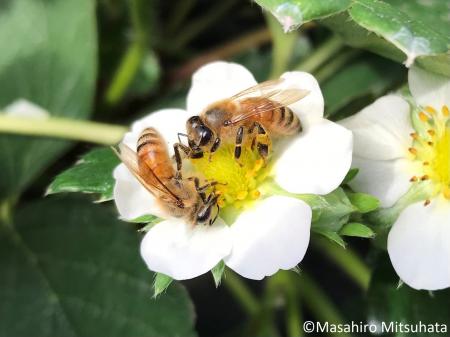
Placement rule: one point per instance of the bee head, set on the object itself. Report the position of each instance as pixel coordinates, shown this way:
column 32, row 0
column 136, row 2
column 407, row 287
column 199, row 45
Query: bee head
column 199, row 134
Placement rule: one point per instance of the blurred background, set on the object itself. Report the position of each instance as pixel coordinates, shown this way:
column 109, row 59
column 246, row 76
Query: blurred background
column 68, row 267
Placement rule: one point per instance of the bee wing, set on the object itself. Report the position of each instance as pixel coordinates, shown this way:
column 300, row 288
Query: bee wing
column 143, row 173
column 278, row 98
column 259, row 89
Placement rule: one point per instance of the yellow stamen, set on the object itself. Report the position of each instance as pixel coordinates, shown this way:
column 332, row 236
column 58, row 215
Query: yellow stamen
column 446, row 192
column 238, row 179
column 413, row 150
column 432, row 150
column 427, row 202
column 430, row 110
column 423, row 116
column 445, row 111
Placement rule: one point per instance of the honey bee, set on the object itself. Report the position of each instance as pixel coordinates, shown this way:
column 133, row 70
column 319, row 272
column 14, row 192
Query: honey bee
column 153, row 168
column 259, row 111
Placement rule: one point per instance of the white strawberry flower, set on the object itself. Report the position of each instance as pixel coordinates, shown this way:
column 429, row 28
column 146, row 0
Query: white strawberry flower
column 270, row 232
column 397, row 147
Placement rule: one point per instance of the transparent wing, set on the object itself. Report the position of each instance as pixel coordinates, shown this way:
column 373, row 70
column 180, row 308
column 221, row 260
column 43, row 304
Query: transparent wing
column 143, row 173
column 269, row 98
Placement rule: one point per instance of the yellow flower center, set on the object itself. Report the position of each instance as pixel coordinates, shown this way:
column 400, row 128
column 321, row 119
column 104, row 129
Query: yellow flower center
column 237, row 180
column 432, row 148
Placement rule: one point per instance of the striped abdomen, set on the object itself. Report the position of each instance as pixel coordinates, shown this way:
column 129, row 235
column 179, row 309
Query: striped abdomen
column 278, row 120
column 152, row 149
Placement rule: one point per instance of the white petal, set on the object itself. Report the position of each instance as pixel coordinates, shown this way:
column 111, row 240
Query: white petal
column 316, row 161
column 419, row 245
column 216, row 81
column 382, row 130
column 309, row 108
column 429, row 88
column 26, row 109
column 176, row 249
column 167, row 121
column 387, row 180
column 131, row 198
column 272, row 235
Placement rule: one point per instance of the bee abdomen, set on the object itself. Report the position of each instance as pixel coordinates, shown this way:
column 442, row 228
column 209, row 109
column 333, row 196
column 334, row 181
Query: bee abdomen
column 288, row 121
column 149, row 139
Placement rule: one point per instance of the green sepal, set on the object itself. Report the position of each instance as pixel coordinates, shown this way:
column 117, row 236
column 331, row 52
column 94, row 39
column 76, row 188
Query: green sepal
column 160, row 284
column 218, row 272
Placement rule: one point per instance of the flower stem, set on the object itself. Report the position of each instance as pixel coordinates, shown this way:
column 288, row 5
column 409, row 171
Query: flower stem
column 321, row 55
column 348, row 260
column 93, row 132
column 241, row 293
column 132, row 58
column 282, row 46
column 283, row 282
column 318, row 302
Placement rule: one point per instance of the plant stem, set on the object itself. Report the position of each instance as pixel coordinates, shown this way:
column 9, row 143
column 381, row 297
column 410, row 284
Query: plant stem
column 132, row 59
column 284, row 282
column 318, row 302
column 333, row 66
column 323, row 53
column 93, row 132
column 181, row 11
column 241, row 293
column 282, row 47
column 244, row 42
column 348, row 260
column 190, row 31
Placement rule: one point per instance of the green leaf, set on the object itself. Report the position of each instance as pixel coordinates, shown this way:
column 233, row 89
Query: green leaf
column 410, row 35
column 399, row 30
column 293, row 13
column 334, row 210
column 331, row 235
column 357, row 229
column 364, row 202
column 49, row 57
column 217, row 272
column 161, row 283
column 350, row 175
column 70, row 268
column 93, row 173
column 389, row 303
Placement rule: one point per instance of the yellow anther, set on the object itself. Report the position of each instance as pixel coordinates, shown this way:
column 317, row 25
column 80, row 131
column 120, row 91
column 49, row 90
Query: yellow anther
column 430, row 110
column 413, row 179
column 424, row 177
column 430, row 143
column 446, row 192
column 431, row 132
column 414, row 135
column 255, row 194
column 259, row 163
column 413, row 150
column 426, row 163
column 427, row 202
column 445, row 111
column 242, row 195
column 221, row 202
column 423, row 116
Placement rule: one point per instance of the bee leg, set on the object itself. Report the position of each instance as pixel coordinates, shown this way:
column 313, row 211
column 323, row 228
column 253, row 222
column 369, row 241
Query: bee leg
column 214, row 147
column 178, row 159
column 262, row 142
column 180, row 134
column 238, row 143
